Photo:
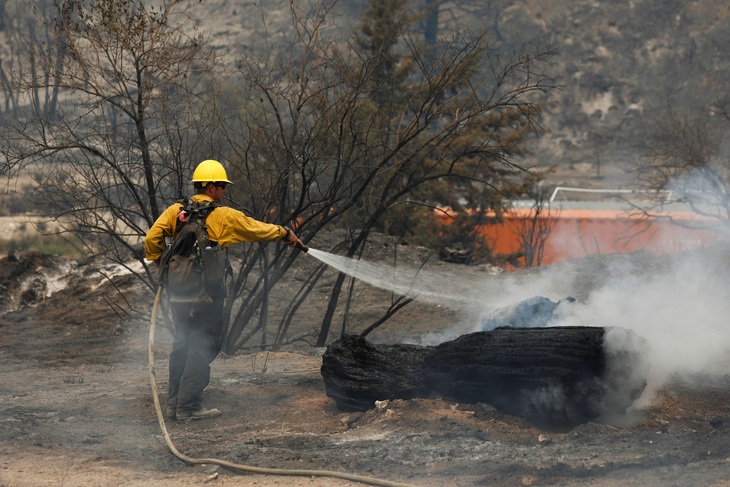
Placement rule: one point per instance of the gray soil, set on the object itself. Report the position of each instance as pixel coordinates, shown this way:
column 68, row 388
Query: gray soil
column 76, row 406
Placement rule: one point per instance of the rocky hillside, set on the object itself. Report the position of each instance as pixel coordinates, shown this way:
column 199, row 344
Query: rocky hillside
column 619, row 61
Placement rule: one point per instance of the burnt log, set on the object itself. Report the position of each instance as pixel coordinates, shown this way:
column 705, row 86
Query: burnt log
column 357, row 373
column 557, row 376
column 552, row 375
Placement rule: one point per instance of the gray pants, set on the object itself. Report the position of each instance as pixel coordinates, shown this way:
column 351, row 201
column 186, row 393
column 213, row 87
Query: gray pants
column 197, row 342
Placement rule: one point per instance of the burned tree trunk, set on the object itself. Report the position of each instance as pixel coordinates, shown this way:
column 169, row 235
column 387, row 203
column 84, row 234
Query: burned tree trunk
column 549, row 374
column 358, row 373
column 560, row 375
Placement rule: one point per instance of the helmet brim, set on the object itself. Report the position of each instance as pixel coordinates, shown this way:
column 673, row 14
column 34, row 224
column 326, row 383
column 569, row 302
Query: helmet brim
column 206, row 181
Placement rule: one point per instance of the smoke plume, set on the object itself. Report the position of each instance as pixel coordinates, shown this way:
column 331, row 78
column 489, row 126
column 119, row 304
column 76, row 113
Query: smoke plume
column 678, row 302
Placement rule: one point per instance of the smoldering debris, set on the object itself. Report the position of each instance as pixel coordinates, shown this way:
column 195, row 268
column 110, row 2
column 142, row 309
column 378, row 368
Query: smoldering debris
column 557, row 376
column 535, row 312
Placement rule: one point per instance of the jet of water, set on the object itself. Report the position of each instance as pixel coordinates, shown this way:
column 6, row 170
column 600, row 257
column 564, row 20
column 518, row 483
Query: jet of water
column 425, row 285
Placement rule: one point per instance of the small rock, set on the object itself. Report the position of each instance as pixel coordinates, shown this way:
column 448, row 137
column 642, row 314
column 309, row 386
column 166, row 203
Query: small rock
column 660, row 424
column 490, row 269
column 381, row 405
column 71, row 419
column 351, row 419
column 544, row 439
column 529, row 480
column 717, row 422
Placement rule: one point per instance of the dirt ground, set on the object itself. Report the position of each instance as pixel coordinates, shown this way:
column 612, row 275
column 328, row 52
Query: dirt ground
column 76, row 407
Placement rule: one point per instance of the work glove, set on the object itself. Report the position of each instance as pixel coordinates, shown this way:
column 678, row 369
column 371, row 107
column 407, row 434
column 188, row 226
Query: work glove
column 292, row 240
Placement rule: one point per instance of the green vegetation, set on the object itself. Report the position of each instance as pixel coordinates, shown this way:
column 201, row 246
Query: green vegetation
column 67, row 246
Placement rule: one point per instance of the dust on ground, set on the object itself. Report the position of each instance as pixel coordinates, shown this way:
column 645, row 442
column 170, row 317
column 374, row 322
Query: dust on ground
column 76, row 406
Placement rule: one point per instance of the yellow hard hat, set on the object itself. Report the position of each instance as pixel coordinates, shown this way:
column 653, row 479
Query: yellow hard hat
column 210, row 171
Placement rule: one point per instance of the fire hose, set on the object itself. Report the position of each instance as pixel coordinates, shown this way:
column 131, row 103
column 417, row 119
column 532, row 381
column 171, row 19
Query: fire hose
column 231, row 465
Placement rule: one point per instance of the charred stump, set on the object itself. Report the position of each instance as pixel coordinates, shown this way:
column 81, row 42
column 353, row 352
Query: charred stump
column 357, row 373
column 551, row 375
column 559, row 375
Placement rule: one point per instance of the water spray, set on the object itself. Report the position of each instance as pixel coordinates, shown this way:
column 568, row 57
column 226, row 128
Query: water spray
column 439, row 287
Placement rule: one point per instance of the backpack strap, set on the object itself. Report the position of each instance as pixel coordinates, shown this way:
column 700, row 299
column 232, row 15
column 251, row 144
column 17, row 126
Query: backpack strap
column 193, row 208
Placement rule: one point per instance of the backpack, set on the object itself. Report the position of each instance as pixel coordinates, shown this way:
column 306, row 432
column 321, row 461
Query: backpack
column 193, row 266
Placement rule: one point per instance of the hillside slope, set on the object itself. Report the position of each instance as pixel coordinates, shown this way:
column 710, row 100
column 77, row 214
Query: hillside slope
column 620, row 63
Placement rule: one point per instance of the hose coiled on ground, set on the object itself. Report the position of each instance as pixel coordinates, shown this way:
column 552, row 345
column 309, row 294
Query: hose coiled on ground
column 230, row 465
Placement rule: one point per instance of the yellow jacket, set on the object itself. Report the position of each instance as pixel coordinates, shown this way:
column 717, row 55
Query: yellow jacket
column 225, row 226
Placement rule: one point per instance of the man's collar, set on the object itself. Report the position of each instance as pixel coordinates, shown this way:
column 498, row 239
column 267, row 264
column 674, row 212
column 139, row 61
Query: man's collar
column 201, row 198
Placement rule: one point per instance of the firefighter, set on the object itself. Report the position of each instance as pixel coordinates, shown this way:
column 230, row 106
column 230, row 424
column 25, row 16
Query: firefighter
column 199, row 325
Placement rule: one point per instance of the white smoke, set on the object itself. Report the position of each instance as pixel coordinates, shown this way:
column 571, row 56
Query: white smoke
column 679, row 303
column 681, row 311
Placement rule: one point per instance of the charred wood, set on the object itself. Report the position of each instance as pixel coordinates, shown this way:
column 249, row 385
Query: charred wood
column 559, row 375
column 357, row 373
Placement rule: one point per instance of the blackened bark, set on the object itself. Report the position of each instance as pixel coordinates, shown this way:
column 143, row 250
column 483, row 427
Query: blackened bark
column 548, row 374
column 358, row 373
column 558, row 375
